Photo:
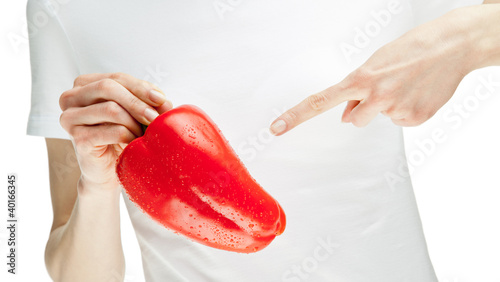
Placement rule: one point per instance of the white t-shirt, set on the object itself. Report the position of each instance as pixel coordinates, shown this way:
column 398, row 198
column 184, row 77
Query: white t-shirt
column 351, row 212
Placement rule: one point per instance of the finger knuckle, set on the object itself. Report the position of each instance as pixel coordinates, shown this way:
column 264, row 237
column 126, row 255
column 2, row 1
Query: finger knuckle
column 112, row 108
column 63, row 99
column 105, row 85
column 82, row 137
column 77, row 133
column 122, row 133
column 291, row 116
column 388, row 88
column 363, row 75
column 384, row 94
column 69, row 115
column 80, row 80
column 378, row 99
column 397, row 111
column 146, row 84
column 118, row 76
column 418, row 117
column 318, row 101
column 66, row 98
column 135, row 103
column 141, row 89
column 63, row 120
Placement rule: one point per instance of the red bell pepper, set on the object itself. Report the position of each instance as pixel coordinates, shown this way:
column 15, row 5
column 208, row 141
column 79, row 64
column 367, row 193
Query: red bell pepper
column 184, row 174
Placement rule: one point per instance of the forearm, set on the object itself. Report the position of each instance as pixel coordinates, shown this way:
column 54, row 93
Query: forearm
column 88, row 247
column 483, row 23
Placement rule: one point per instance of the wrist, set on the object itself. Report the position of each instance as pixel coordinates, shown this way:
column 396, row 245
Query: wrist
column 88, row 189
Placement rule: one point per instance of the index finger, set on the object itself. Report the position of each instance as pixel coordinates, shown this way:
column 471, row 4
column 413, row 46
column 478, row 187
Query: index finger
column 314, row 105
column 144, row 90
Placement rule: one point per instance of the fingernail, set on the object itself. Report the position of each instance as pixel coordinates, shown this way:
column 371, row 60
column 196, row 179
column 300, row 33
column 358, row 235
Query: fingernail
column 157, row 96
column 278, row 126
column 150, row 114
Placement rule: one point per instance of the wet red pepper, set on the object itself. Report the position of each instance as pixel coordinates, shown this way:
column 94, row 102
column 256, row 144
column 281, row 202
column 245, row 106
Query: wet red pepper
column 185, row 175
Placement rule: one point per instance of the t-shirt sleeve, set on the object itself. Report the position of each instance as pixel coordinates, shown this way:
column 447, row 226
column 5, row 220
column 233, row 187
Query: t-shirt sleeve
column 53, row 68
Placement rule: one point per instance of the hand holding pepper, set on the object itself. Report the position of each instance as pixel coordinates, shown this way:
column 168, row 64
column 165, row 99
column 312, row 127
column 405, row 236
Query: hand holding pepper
column 214, row 201
column 102, row 113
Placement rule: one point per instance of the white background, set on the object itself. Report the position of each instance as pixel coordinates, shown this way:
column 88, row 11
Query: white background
column 456, row 181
